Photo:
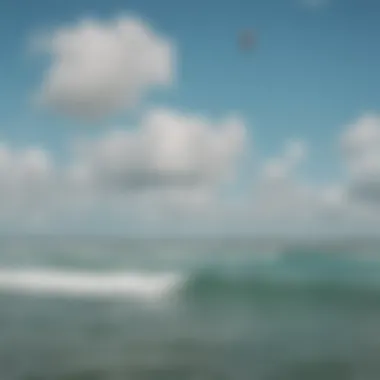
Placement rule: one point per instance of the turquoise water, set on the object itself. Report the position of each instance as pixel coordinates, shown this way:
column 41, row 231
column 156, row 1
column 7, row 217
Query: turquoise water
column 119, row 309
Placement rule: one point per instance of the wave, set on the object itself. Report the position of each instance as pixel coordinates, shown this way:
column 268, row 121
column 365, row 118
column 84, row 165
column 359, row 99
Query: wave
column 201, row 286
column 147, row 286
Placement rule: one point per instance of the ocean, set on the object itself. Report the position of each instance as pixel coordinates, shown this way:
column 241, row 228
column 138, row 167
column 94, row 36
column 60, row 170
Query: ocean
column 112, row 308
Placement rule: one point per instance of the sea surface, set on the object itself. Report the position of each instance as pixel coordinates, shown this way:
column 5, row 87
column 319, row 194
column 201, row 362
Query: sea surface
column 94, row 309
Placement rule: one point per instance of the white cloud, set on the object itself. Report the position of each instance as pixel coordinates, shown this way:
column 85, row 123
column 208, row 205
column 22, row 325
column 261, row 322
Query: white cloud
column 99, row 67
column 361, row 149
column 169, row 150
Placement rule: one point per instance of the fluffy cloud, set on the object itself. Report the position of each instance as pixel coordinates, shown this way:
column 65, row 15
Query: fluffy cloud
column 101, row 67
column 169, row 150
column 361, row 148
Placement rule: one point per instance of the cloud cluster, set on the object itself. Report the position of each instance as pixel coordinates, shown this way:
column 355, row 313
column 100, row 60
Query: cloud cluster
column 173, row 169
column 172, row 163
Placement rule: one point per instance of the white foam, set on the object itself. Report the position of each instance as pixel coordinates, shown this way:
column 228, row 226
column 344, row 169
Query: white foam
column 88, row 284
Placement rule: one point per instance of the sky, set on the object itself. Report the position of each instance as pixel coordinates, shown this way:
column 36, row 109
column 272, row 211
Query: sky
column 146, row 117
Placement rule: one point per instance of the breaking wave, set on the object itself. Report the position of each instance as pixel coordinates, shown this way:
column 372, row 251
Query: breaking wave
column 88, row 284
column 200, row 286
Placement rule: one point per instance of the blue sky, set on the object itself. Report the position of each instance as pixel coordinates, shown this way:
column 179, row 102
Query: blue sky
column 313, row 72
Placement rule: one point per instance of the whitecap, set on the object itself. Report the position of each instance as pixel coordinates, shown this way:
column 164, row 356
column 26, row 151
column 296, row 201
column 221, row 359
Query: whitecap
column 148, row 286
